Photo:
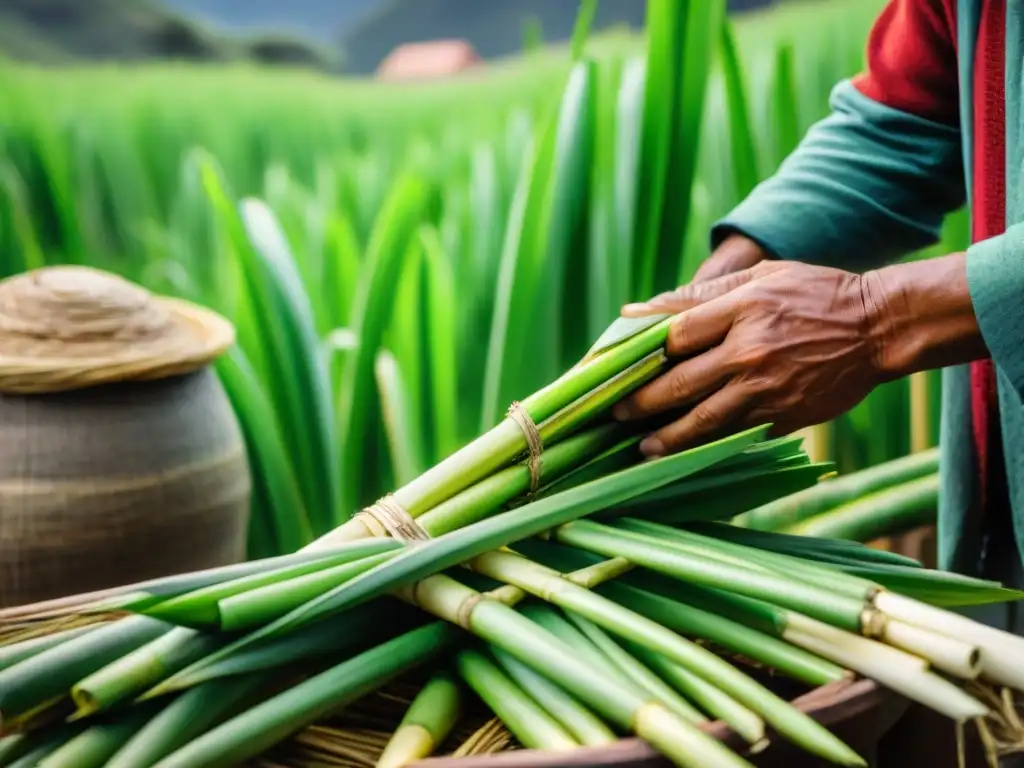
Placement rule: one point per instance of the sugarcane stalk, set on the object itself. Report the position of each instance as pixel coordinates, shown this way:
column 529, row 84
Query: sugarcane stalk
column 550, row 586
column 16, row 652
column 33, row 758
column 556, row 622
column 504, row 628
column 188, row 716
column 320, row 638
column 28, row 748
column 504, row 442
column 578, row 720
column 342, row 634
column 731, row 635
column 46, row 677
column 600, row 399
column 843, row 566
column 707, row 696
column 426, row 724
column 885, row 665
column 433, row 556
column 246, row 610
column 890, row 666
column 523, row 715
column 821, row 575
column 947, row 654
column 1000, row 651
column 895, row 509
column 950, row 655
column 130, row 675
column 492, row 493
column 639, row 592
column 145, row 669
column 635, row 671
column 198, row 608
column 257, row 729
column 681, row 563
column 95, row 745
column 831, row 493
column 141, row 595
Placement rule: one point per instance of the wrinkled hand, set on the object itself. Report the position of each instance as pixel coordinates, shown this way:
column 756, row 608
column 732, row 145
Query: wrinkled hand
column 781, row 342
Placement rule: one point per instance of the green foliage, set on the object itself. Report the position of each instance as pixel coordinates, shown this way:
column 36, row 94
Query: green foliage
column 422, row 255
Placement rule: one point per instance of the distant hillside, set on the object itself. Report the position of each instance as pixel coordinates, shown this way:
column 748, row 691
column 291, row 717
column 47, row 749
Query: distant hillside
column 493, row 27
column 328, row 34
column 63, row 31
column 321, row 20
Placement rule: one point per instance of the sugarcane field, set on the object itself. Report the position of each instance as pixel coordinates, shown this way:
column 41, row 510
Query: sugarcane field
column 511, row 384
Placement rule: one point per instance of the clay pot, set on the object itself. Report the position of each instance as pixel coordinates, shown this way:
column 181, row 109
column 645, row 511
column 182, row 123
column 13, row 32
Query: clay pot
column 120, row 456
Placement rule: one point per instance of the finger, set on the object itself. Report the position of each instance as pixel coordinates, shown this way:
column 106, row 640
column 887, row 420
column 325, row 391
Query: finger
column 734, row 253
column 702, row 327
column 719, row 411
column 684, row 384
column 688, row 296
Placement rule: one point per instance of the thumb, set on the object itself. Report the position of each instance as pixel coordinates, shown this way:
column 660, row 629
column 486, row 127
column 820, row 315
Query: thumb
column 688, row 296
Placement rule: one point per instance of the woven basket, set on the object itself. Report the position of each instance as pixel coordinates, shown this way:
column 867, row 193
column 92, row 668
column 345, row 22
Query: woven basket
column 860, row 712
column 120, row 455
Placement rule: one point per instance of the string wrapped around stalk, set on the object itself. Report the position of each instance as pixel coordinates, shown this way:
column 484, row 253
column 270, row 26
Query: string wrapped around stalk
column 503, row 443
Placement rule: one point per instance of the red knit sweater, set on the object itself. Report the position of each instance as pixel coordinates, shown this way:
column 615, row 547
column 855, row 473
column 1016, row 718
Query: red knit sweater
column 912, row 66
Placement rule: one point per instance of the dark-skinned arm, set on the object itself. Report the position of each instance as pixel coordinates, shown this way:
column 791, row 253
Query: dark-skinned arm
column 796, row 344
column 795, row 318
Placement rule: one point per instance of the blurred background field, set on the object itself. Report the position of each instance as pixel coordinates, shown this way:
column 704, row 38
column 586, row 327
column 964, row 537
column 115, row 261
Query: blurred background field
column 404, row 259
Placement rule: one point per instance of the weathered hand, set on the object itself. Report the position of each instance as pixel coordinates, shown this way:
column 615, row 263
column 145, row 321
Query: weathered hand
column 796, row 345
column 781, row 342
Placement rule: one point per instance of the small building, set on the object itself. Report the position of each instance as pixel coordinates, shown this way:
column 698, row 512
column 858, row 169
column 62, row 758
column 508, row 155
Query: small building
column 428, row 60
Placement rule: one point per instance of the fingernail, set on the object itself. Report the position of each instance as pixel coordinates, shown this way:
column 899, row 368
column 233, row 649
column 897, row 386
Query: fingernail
column 652, row 446
column 635, row 309
column 621, row 412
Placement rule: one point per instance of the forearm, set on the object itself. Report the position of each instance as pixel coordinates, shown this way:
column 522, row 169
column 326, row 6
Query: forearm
column 922, row 316
column 867, row 185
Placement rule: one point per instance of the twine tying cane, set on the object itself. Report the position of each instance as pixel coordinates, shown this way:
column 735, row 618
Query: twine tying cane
column 534, row 442
column 389, row 518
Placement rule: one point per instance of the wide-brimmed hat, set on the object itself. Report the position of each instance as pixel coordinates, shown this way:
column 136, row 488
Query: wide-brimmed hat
column 70, row 327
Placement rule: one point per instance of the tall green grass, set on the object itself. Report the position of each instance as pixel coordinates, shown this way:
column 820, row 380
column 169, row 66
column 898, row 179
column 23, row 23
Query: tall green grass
column 403, row 262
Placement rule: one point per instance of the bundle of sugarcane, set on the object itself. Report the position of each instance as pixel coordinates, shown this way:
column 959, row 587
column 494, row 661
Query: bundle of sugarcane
column 582, row 592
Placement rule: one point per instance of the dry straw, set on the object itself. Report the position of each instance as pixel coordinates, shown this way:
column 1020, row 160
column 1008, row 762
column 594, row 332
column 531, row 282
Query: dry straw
column 70, row 327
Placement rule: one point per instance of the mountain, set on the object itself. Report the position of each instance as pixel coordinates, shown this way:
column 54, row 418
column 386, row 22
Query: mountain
column 321, row 20
column 65, row 31
column 493, row 27
column 358, row 34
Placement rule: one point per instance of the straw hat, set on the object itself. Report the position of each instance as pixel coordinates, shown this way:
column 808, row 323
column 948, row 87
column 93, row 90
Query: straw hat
column 64, row 328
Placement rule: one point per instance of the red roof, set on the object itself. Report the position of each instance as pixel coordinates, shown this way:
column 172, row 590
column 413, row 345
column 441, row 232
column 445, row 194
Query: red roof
column 427, row 60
